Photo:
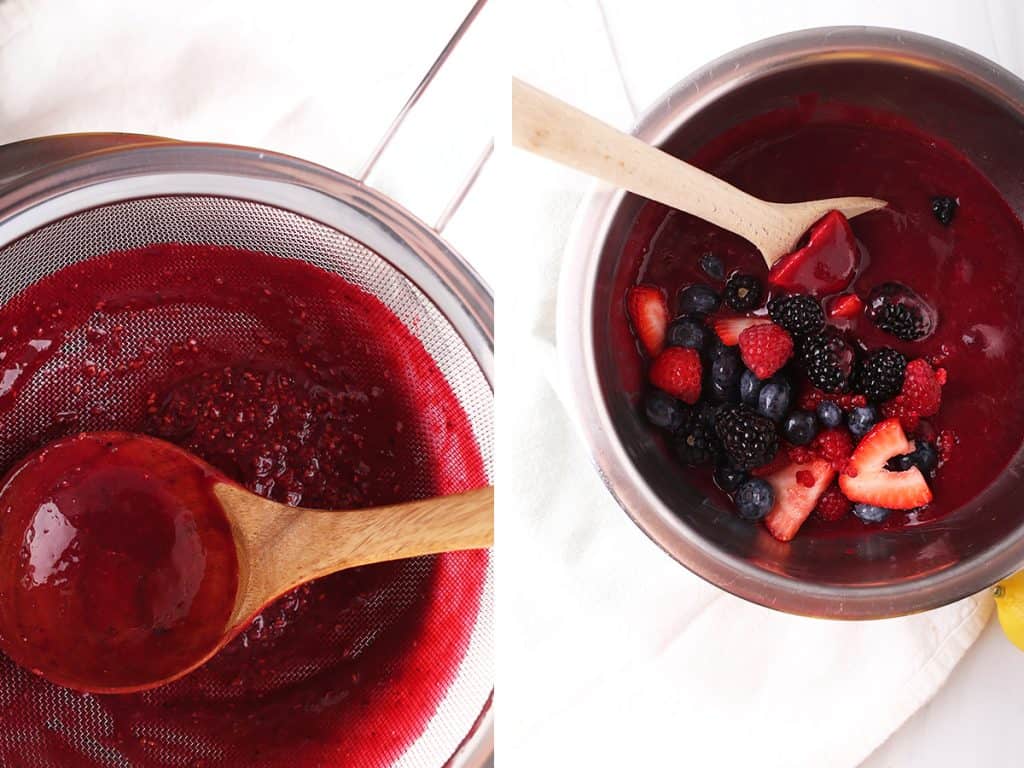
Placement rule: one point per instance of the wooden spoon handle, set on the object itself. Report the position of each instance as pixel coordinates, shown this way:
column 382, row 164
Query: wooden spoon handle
column 553, row 129
column 281, row 547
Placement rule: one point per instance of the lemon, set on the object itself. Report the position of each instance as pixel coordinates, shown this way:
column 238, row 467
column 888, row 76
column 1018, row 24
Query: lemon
column 1009, row 595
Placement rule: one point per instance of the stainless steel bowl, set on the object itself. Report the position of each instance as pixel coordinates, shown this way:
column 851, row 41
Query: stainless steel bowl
column 60, row 190
column 948, row 92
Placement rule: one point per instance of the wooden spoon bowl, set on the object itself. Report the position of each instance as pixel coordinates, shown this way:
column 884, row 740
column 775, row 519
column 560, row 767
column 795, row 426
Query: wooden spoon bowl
column 128, row 562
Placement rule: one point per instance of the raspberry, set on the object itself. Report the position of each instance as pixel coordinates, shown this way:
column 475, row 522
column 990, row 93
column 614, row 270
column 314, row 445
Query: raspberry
column 765, row 349
column 805, row 478
column 677, row 371
column 801, row 454
column 945, row 443
column 835, row 446
column 920, row 396
column 813, row 397
column 833, row 505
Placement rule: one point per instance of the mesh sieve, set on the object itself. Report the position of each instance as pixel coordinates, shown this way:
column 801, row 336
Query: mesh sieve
column 88, row 728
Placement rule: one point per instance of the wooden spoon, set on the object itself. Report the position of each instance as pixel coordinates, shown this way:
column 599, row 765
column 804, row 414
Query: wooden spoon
column 551, row 128
column 126, row 562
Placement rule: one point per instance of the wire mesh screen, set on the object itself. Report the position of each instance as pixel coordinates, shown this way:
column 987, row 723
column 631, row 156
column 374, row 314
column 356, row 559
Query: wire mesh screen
column 347, row 671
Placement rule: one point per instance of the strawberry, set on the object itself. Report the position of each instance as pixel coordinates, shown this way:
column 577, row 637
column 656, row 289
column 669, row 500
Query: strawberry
column 765, row 349
column 826, row 265
column 921, row 395
column 866, row 480
column 833, row 505
column 847, row 305
column 730, row 328
column 797, row 490
column 677, row 371
column 648, row 313
column 835, row 446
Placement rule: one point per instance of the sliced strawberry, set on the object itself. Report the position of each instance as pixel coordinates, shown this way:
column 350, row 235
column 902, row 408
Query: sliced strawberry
column 730, row 328
column 866, row 480
column 824, row 266
column 648, row 312
column 797, row 490
column 677, row 371
column 847, row 305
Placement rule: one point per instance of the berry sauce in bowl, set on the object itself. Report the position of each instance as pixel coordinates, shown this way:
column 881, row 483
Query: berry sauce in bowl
column 948, row 242
column 303, row 388
column 839, row 436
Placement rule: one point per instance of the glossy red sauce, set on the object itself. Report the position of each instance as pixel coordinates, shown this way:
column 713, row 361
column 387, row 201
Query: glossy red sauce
column 971, row 272
column 125, row 569
column 302, row 387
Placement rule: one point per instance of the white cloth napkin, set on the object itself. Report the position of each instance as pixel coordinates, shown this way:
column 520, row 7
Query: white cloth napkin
column 611, row 653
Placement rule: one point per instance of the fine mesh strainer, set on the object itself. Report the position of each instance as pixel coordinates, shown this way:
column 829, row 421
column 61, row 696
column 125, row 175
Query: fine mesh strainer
column 116, row 193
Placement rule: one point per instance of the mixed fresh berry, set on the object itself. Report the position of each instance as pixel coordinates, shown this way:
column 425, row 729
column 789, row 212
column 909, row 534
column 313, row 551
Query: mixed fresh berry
column 763, row 382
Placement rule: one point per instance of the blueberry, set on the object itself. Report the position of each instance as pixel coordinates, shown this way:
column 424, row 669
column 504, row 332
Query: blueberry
column 728, row 478
column 699, row 299
column 754, row 499
column 869, row 513
column 712, row 266
column 715, row 348
column 773, row 400
column 750, row 388
column 725, row 376
column 924, row 457
column 861, row 420
column 800, row 427
column 664, row 411
column 830, row 414
column 687, row 332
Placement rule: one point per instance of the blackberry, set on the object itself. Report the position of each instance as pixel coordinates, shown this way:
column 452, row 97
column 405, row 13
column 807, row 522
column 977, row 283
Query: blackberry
column 748, row 438
column 827, row 359
column 801, row 315
column 880, row 374
column 695, row 442
column 712, row 266
column 944, row 208
column 897, row 310
column 743, row 292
